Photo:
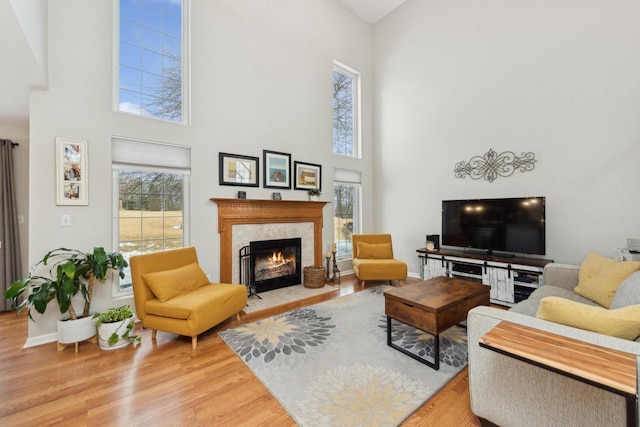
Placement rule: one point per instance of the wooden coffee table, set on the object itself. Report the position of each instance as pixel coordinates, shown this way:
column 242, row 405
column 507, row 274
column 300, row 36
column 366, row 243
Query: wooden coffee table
column 433, row 306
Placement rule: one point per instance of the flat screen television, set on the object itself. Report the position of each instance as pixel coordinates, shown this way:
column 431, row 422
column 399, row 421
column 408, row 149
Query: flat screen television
column 513, row 225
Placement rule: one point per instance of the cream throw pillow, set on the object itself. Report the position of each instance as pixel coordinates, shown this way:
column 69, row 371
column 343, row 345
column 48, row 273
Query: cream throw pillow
column 622, row 322
column 599, row 277
column 170, row 283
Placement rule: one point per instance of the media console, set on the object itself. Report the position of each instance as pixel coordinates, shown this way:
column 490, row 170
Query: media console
column 512, row 279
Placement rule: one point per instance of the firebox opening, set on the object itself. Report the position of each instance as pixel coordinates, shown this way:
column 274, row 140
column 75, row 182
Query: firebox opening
column 275, row 263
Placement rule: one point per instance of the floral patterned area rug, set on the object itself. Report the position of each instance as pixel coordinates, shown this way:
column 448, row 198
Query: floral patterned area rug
column 329, row 364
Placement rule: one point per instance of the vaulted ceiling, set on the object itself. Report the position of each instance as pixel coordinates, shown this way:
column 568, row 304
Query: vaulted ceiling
column 371, row 11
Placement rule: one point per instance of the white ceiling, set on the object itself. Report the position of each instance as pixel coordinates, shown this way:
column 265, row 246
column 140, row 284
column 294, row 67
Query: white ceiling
column 371, row 11
column 19, row 72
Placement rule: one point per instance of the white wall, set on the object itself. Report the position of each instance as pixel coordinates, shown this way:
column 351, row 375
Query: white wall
column 261, row 79
column 558, row 78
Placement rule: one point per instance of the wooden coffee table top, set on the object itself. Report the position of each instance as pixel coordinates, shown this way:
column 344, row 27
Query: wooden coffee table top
column 437, row 294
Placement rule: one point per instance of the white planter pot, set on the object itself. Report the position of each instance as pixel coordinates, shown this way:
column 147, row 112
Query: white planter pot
column 107, row 329
column 72, row 331
column 313, row 198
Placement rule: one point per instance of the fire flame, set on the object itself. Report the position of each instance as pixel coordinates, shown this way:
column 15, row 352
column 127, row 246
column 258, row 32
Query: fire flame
column 277, row 258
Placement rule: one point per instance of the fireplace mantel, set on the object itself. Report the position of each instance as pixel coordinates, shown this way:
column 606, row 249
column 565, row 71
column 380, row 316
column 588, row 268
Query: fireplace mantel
column 250, row 211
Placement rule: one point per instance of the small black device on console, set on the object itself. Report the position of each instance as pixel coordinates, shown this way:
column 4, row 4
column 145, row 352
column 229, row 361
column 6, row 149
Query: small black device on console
column 435, row 239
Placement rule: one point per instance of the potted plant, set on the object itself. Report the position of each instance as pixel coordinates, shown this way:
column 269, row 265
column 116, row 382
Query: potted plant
column 114, row 328
column 313, row 193
column 69, row 271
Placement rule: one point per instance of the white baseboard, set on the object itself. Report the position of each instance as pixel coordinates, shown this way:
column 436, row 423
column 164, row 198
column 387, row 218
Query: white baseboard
column 41, row 339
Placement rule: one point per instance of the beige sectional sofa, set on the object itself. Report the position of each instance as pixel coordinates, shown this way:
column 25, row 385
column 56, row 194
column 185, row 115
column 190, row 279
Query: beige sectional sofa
column 511, row 393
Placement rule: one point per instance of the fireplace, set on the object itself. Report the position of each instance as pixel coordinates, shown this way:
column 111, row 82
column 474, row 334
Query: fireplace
column 275, row 264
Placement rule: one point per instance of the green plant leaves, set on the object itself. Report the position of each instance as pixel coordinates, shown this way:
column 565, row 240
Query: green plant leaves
column 118, row 314
column 113, row 339
column 69, row 272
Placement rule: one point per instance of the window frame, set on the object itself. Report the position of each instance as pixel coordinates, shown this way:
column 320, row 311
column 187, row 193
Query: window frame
column 117, row 292
column 185, row 74
column 356, row 106
column 357, row 216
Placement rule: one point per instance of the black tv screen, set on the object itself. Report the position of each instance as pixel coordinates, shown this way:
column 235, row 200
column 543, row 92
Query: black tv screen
column 515, row 225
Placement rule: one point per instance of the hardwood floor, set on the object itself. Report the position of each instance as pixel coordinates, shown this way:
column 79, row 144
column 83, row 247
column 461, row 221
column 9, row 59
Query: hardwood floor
column 163, row 382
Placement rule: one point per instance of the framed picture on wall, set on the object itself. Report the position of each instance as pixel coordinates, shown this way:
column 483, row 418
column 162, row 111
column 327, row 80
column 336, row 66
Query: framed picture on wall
column 308, row 176
column 277, row 169
column 72, row 174
column 239, row 170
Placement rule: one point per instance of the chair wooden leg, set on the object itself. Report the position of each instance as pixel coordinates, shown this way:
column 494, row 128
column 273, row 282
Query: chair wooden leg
column 362, row 284
column 238, row 317
column 153, row 334
column 194, row 342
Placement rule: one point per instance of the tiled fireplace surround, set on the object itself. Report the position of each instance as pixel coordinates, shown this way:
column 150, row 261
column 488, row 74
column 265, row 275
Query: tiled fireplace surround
column 241, row 221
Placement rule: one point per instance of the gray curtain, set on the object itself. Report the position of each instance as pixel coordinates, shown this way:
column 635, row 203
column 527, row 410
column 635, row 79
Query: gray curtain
column 10, row 265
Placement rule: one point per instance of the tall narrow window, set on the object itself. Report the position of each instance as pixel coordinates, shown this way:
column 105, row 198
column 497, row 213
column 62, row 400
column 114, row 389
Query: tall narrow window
column 151, row 59
column 346, row 210
column 346, row 118
column 151, row 183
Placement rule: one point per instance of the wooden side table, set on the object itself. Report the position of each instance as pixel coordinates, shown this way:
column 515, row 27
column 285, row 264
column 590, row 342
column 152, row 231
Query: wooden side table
column 601, row 367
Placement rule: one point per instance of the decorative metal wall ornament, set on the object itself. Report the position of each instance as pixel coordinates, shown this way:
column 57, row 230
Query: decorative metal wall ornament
column 491, row 165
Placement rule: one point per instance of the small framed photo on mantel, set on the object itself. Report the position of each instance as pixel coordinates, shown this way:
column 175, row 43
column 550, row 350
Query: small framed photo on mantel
column 72, row 173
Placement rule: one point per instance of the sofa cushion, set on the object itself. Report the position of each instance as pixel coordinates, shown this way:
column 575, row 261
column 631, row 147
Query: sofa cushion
column 381, row 269
column 622, row 322
column 170, row 283
column 196, row 311
column 531, row 304
column 628, row 293
column 209, row 298
column 599, row 277
column 374, row 250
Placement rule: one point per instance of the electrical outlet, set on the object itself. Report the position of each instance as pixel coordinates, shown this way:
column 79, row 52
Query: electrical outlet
column 65, row 221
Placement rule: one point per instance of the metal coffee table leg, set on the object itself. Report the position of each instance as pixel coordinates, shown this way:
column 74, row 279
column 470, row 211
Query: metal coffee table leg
column 436, row 348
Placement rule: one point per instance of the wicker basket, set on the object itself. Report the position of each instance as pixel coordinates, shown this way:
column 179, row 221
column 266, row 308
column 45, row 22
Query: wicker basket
column 313, row 277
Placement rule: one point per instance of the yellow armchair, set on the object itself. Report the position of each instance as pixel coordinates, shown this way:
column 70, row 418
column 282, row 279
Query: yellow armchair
column 373, row 258
column 173, row 294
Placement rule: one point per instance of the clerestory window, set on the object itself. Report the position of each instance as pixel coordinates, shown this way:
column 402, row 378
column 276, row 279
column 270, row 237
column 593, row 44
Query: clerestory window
column 346, row 116
column 151, row 58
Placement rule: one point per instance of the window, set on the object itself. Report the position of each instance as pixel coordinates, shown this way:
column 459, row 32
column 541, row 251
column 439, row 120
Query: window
column 346, row 210
column 346, row 118
column 151, row 60
column 151, row 188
